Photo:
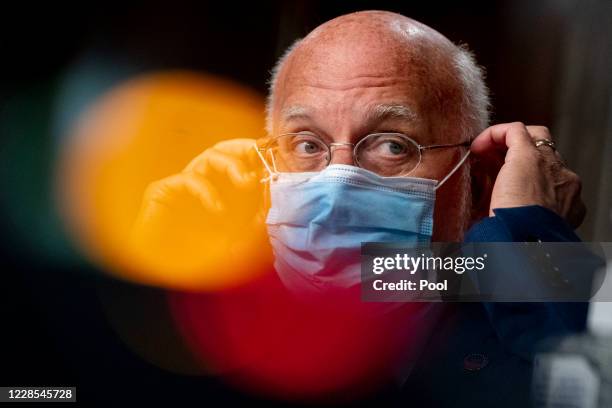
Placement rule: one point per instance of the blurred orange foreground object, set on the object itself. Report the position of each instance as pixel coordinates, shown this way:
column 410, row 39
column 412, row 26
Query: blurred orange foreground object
column 149, row 129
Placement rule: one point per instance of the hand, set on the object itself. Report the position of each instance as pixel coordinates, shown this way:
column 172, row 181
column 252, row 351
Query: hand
column 529, row 175
column 208, row 217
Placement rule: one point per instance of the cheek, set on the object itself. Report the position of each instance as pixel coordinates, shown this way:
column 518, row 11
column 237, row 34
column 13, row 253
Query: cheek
column 452, row 209
column 446, row 220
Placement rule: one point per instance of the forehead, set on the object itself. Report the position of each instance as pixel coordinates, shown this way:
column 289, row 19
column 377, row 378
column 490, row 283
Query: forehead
column 355, row 70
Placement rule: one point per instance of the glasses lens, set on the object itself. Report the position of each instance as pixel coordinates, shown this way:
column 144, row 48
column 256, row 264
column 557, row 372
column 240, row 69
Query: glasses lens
column 388, row 154
column 298, row 153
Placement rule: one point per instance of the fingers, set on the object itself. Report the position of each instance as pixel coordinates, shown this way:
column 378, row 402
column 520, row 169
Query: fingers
column 206, row 193
column 231, row 158
column 185, row 183
column 506, row 136
column 243, row 148
column 530, row 174
column 236, row 170
column 539, row 132
column 542, row 133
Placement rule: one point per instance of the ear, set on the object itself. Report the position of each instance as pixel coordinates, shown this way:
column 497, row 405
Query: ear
column 483, row 177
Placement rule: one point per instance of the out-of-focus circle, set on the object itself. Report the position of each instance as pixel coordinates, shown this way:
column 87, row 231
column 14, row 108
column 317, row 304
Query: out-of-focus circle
column 143, row 130
column 325, row 349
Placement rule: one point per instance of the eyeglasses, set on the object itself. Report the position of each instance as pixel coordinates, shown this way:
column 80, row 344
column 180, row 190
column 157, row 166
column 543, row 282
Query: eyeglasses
column 386, row 154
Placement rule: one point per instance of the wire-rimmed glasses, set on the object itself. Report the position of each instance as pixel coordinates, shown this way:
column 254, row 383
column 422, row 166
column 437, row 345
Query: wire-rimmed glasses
column 386, row 154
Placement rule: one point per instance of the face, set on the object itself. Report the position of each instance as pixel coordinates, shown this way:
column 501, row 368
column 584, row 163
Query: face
column 344, row 86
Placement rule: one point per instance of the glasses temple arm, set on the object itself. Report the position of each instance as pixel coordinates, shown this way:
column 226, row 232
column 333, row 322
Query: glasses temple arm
column 441, row 146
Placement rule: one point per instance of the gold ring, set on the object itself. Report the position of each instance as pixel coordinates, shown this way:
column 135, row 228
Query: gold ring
column 545, row 142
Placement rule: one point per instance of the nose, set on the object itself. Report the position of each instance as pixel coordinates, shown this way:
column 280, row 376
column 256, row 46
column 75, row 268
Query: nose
column 342, row 153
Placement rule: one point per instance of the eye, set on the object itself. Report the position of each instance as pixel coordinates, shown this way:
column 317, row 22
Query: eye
column 305, row 145
column 395, row 148
column 390, row 146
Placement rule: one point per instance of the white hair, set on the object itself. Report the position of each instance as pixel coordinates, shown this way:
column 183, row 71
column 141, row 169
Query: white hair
column 474, row 109
column 475, row 103
column 273, row 81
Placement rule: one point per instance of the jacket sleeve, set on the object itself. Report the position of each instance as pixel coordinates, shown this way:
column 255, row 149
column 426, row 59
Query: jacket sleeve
column 521, row 326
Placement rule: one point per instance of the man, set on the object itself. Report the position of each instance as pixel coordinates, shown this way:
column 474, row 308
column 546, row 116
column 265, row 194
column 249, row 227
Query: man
column 367, row 90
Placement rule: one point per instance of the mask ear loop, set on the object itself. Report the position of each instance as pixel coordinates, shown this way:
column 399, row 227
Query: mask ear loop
column 272, row 174
column 463, row 159
column 266, row 197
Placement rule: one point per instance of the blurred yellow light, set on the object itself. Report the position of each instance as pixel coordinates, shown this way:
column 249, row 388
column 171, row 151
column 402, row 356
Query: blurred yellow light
column 143, row 130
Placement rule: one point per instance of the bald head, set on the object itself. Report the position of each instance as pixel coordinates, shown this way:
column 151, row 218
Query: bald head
column 380, row 40
column 378, row 45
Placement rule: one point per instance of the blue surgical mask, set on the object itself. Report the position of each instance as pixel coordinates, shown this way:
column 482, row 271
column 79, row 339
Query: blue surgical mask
column 317, row 221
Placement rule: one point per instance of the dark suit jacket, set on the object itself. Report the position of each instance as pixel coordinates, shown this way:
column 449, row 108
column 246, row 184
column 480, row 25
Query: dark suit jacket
column 480, row 354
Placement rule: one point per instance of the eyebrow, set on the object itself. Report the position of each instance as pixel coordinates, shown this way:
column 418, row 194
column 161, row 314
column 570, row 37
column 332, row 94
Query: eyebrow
column 381, row 112
column 295, row 112
column 377, row 113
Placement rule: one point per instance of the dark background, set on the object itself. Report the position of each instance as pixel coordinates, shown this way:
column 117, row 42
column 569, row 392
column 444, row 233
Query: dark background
column 547, row 62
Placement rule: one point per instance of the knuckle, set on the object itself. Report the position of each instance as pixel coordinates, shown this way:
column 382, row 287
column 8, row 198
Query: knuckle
column 542, row 131
column 199, row 161
column 540, row 128
column 571, row 181
column 233, row 145
column 577, row 181
column 154, row 185
column 223, row 143
column 153, row 188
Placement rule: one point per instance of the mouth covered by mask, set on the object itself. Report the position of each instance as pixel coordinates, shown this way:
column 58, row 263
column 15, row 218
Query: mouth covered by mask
column 318, row 220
